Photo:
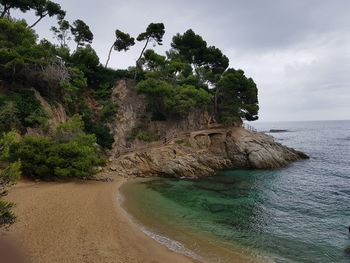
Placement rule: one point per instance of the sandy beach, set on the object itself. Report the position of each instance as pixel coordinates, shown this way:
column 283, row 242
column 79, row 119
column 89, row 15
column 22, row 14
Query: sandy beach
column 80, row 222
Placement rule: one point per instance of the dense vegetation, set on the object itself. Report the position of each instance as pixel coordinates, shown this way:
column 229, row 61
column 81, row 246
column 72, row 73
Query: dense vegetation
column 191, row 75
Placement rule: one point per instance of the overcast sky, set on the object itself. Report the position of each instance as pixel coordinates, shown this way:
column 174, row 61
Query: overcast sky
column 297, row 51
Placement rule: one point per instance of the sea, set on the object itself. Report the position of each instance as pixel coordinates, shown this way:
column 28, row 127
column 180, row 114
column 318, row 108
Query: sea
column 300, row 213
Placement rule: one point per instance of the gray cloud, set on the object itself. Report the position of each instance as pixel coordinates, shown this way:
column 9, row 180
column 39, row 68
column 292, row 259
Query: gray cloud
column 298, row 51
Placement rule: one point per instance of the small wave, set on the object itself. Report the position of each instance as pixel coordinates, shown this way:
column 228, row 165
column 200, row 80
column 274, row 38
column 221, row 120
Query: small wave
column 171, row 244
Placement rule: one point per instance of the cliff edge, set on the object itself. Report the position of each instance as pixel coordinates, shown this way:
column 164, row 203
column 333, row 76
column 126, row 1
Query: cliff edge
column 193, row 147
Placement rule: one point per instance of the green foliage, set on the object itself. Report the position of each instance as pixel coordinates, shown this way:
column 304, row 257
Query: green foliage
column 237, row 97
column 69, row 153
column 208, row 62
column 62, row 33
column 122, row 42
column 19, row 53
column 140, row 132
column 103, row 80
column 186, row 98
column 72, row 88
column 33, row 153
column 154, row 31
column 108, row 111
column 7, row 217
column 76, row 157
column 86, row 60
column 20, row 110
column 81, row 33
column 153, row 61
column 189, row 46
column 147, row 136
column 11, row 173
column 70, row 129
column 30, row 111
column 7, row 5
column 8, row 116
column 103, row 135
column 172, row 100
column 45, row 8
column 6, row 141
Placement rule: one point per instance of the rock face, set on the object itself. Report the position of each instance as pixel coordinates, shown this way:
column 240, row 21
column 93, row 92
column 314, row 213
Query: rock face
column 194, row 147
column 204, row 152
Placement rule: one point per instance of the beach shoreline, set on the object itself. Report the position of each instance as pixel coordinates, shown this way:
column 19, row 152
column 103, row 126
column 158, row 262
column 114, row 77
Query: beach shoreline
column 80, row 222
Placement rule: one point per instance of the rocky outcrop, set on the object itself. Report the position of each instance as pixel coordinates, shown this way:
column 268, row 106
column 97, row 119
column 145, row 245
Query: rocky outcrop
column 204, row 152
column 192, row 147
column 131, row 107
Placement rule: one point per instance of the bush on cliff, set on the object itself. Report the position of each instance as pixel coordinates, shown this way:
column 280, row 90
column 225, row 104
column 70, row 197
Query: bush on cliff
column 173, row 100
column 68, row 153
column 20, row 109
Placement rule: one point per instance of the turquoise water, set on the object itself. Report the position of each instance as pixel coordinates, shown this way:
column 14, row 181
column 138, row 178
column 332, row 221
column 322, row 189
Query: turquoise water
column 296, row 214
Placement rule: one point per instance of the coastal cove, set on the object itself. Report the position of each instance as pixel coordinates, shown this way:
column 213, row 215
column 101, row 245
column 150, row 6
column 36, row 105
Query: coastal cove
column 295, row 214
column 144, row 140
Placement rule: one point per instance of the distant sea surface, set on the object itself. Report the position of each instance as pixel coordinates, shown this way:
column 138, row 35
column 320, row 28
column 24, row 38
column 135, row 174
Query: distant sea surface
column 300, row 213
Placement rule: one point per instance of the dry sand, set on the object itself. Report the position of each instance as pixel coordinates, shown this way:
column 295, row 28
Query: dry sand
column 80, row 222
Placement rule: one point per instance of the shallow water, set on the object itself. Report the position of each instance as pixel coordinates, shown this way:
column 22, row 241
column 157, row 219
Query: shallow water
column 296, row 214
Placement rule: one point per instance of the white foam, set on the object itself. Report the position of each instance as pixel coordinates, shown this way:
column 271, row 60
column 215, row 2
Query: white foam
column 171, row 244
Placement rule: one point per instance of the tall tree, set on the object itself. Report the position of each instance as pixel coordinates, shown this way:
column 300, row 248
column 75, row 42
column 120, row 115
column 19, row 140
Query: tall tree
column 237, row 97
column 81, row 32
column 62, row 33
column 7, row 5
column 123, row 42
column 208, row 62
column 45, row 8
column 154, row 32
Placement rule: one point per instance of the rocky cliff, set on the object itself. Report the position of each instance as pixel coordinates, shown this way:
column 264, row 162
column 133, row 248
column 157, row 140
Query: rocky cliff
column 194, row 147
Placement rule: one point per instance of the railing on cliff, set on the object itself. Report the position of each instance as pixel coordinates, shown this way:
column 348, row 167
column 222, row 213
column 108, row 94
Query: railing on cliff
column 249, row 127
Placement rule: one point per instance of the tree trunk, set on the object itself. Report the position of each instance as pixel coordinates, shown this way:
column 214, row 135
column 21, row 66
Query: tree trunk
column 109, row 55
column 3, row 13
column 138, row 60
column 37, row 21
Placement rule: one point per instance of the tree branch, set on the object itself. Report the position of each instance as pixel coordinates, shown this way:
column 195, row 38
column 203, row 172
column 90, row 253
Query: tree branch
column 138, row 60
column 3, row 13
column 37, row 21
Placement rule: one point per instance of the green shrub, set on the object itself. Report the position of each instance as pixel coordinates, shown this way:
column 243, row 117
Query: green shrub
column 69, row 153
column 8, row 116
column 19, row 51
column 9, row 174
column 6, row 215
column 166, row 99
column 33, row 153
column 19, row 110
column 147, row 136
column 103, row 135
column 108, row 111
column 86, row 59
column 75, row 158
column 103, row 79
column 141, row 133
